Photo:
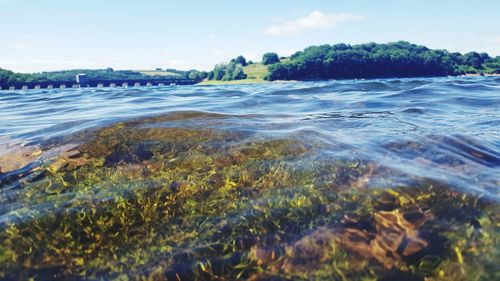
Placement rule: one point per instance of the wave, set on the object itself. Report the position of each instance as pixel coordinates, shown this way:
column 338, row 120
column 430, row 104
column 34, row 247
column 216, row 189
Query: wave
column 450, row 121
column 199, row 181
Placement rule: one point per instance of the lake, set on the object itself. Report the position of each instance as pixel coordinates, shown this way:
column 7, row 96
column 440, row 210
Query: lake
column 394, row 179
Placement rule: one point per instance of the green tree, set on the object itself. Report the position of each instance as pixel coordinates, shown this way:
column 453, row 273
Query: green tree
column 240, row 60
column 270, row 58
column 238, row 73
column 398, row 59
column 219, row 71
column 227, row 72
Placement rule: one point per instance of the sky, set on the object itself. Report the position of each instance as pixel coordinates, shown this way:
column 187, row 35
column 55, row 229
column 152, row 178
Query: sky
column 45, row 35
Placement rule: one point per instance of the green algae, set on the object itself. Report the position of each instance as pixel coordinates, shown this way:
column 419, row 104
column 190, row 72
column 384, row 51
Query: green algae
column 136, row 202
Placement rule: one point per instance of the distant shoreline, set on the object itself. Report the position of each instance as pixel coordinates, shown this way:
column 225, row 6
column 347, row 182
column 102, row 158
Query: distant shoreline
column 232, row 82
column 315, row 63
column 478, row 75
column 258, row 81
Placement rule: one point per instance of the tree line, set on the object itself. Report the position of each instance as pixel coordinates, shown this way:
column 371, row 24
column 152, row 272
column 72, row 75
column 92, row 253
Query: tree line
column 234, row 70
column 230, row 71
column 8, row 77
column 399, row 59
column 339, row 61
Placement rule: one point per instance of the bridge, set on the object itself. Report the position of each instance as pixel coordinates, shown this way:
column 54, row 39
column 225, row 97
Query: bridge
column 96, row 83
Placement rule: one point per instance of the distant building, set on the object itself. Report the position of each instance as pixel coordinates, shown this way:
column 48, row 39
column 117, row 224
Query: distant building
column 81, row 79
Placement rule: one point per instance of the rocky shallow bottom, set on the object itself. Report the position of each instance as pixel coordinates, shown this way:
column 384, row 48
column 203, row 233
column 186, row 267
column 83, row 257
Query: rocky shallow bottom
column 142, row 200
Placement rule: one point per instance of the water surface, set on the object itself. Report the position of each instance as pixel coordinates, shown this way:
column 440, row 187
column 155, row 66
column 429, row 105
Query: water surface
column 335, row 180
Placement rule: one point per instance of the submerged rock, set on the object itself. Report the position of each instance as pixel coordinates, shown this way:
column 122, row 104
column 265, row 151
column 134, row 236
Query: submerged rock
column 14, row 156
column 135, row 202
column 394, row 239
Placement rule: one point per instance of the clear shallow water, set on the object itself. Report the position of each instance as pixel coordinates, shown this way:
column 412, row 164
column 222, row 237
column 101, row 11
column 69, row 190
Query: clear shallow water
column 420, row 126
column 417, row 143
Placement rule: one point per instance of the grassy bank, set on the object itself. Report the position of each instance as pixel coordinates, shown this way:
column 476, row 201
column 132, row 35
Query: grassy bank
column 233, row 82
column 255, row 75
column 158, row 73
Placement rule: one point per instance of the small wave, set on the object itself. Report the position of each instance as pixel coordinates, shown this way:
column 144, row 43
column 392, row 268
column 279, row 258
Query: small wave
column 362, row 114
column 414, row 110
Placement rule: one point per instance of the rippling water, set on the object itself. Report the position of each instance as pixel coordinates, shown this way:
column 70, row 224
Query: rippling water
column 341, row 180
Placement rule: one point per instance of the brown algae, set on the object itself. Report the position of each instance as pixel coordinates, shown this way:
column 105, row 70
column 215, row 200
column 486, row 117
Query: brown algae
column 137, row 202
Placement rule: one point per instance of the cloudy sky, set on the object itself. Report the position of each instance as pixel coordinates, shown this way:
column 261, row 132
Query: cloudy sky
column 38, row 35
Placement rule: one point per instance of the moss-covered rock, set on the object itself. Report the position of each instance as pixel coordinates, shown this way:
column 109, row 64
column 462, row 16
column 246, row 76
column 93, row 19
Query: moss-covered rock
column 144, row 200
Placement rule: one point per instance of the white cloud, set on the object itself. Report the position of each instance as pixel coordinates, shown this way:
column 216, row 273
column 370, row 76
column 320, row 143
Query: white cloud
column 315, row 20
column 217, row 53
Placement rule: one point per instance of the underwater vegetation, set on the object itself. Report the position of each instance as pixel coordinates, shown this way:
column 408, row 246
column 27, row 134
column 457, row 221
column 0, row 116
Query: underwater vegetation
column 149, row 200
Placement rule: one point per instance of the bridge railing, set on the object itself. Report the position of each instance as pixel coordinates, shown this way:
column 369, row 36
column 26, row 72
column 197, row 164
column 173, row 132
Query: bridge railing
column 97, row 83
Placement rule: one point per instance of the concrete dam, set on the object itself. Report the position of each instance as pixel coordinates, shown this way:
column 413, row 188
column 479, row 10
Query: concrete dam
column 84, row 82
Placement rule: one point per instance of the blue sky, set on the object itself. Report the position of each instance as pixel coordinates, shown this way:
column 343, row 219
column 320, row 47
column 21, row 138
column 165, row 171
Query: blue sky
column 39, row 35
